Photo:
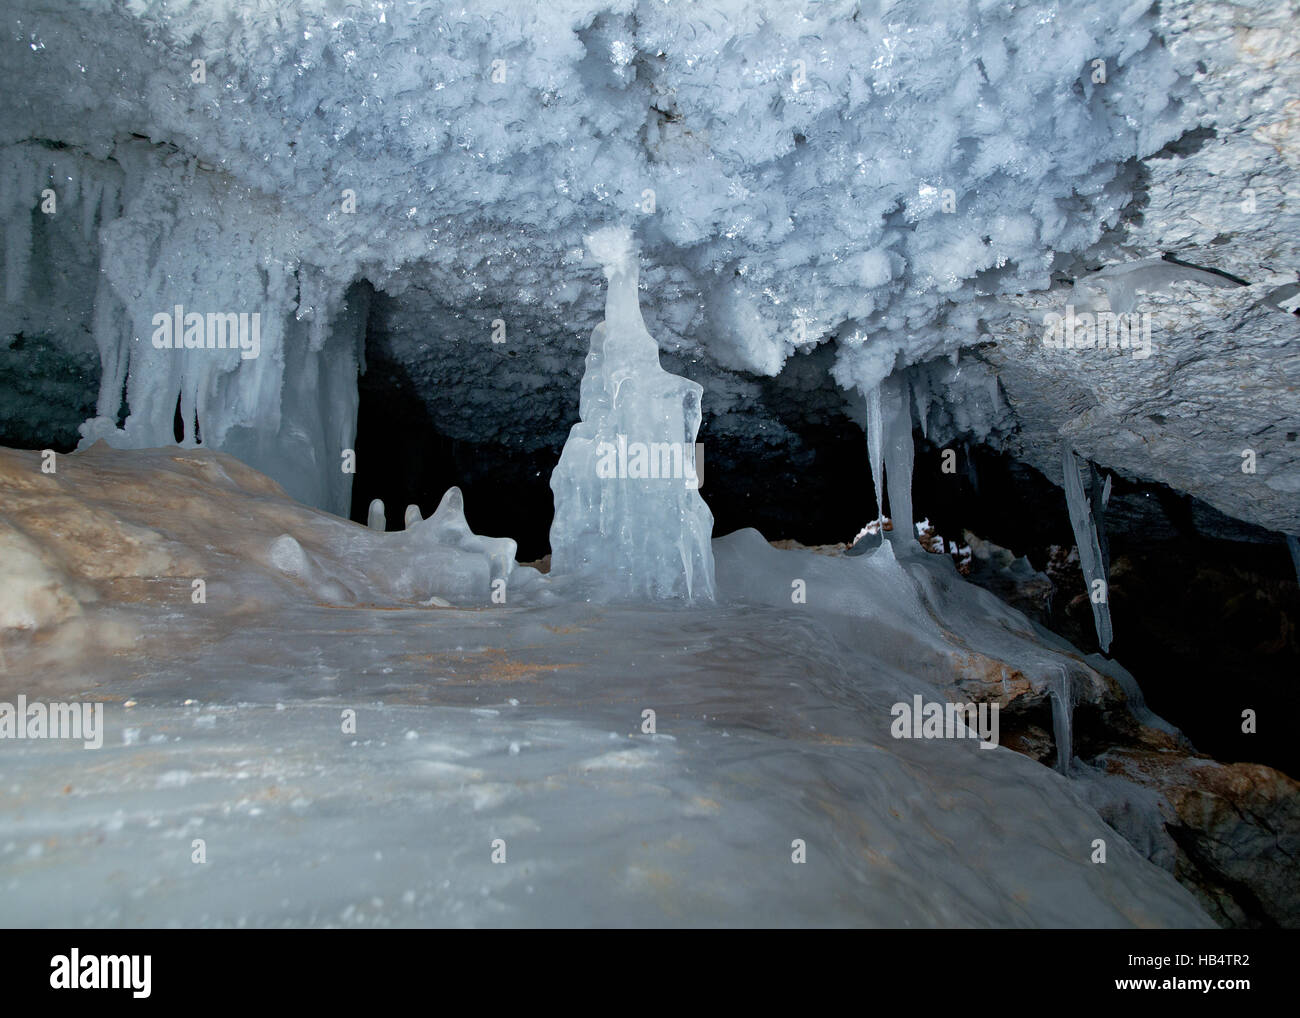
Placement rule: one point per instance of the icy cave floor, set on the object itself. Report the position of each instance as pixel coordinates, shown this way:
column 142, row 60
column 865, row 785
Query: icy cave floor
column 525, row 725
column 521, row 722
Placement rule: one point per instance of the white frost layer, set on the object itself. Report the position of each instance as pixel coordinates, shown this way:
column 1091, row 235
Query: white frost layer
column 830, row 196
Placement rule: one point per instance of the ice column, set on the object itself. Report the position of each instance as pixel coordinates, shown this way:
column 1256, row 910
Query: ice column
column 1087, row 498
column 899, row 456
column 629, row 518
column 891, row 452
column 876, row 451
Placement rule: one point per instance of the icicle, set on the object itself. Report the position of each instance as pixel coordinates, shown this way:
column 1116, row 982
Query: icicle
column 1087, row 518
column 1063, row 722
column 375, row 518
column 921, row 397
column 18, row 254
column 412, row 517
column 91, row 193
column 69, row 183
column 107, row 328
column 108, row 202
column 875, row 448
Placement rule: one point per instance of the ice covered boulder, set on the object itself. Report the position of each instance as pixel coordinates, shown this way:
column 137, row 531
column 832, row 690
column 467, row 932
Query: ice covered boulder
column 629, row 519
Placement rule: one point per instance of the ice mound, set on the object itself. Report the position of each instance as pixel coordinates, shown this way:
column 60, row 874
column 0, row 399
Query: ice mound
column 917, row 617
column 288, row 556
column 629, row 519
column 469, row 567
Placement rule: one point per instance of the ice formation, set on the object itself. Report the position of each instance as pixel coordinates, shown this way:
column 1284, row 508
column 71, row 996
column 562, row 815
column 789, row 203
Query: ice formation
column 505, row 723
column 629, row 519
column 447, row 527
column 899, row 453
column 875, row 449
column 1087, row 504
column 1063, row 721
column 1122, row 282
column 891, row 453
column 831, row 203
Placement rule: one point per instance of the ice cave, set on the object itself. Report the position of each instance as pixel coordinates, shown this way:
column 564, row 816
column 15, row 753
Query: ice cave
column 884, row 414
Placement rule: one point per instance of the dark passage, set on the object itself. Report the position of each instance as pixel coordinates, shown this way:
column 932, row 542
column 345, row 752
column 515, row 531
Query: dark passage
column 403, row 459
column 1206, row 609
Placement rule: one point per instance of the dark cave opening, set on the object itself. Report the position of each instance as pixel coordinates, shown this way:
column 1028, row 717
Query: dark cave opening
column 1205, row 607
column 505, row 495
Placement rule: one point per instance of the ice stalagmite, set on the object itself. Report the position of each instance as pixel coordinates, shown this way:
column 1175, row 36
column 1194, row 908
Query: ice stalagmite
column 1086, row 498
column 629, row 518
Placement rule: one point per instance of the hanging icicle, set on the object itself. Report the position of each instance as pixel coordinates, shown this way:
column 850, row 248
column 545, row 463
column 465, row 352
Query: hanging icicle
column 1086, row 498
